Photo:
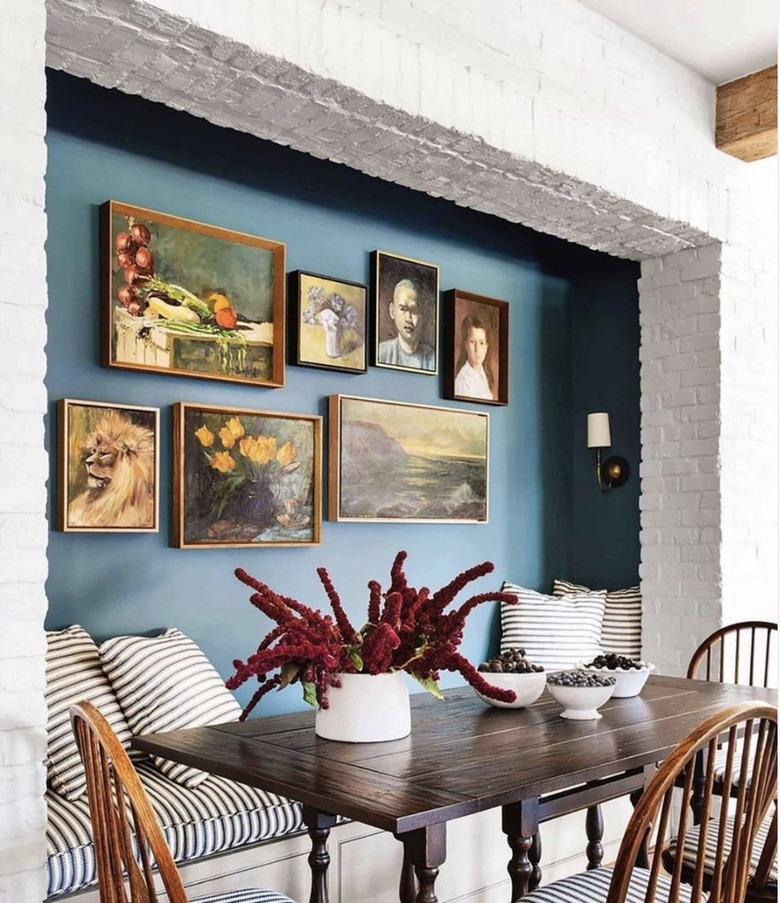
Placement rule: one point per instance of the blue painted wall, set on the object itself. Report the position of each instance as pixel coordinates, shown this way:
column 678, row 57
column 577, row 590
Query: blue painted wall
column 103, row 144
column 605, row 377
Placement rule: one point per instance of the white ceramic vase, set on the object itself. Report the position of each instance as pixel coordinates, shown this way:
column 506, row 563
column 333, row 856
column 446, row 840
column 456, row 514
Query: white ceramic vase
column 366, row 708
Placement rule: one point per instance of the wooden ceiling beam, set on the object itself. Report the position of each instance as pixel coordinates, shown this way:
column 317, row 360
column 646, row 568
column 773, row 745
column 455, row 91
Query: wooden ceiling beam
column 746, row 116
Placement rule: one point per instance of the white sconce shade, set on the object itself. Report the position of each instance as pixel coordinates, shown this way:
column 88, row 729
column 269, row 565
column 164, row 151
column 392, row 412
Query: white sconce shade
column 598, row 431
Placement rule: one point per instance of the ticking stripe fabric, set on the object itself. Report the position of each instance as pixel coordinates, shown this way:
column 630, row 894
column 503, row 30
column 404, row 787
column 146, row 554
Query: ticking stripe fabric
column 556, row 632
column 721, row 759
column 216, row 816
column 621, row 632
column 74, row 672
column 592, row 887
column 164, row 683
column 691, row 844
column 244, row 896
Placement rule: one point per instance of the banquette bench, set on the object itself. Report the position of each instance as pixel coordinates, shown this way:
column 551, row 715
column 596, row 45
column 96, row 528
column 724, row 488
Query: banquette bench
column 219, row 827
column 202, row 815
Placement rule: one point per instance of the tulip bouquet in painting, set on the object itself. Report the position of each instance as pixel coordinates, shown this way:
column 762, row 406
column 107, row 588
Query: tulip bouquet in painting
column 407, row 629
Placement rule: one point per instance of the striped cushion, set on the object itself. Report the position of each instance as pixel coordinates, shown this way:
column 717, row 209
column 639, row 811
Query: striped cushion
column 691, row 844
column 622, row 629
column 244, row 896
column 73, row 672
column 556, row 632
column 721, row 757
column 216, row 816
column 592, row 887
column 164, row 683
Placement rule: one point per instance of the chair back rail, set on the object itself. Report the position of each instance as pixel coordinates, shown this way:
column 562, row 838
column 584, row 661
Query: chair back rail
column 748, row 732
column 740, row 653
column 127, row 835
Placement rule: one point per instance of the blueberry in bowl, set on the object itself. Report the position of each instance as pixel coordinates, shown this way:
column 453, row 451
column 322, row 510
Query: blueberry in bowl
column 511, row 670
column 630, row 674
column 580, row 693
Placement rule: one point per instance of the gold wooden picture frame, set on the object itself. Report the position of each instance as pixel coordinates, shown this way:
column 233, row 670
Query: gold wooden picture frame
column 245, row 479
column 391, row 461
column 108, row 467
column 189, row 299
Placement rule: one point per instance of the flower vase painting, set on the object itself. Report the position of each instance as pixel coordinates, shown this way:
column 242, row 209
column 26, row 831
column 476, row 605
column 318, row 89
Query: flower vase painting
column 245, row 478
column 190, row 299
column 327, row 322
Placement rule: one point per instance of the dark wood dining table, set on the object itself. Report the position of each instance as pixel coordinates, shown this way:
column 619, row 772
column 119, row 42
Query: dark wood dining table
column 462, row 757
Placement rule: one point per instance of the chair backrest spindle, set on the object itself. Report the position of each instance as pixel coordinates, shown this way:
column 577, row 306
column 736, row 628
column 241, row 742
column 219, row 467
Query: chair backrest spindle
column 128, row 839
column 748, row 732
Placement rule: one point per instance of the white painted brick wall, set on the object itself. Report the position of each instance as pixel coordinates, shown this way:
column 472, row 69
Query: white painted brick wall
column 23, row 463
column 681, row 539
column 542, row 113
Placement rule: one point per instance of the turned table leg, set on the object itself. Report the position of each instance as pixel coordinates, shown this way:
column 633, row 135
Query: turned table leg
column 535, row 855
column 520, row 823
column 594, row 829
column 319, row 825
column 425, row 849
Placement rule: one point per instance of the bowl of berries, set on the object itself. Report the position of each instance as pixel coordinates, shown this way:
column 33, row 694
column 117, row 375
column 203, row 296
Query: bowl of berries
column 580, row 693
column 630, row 674
column 511, row 670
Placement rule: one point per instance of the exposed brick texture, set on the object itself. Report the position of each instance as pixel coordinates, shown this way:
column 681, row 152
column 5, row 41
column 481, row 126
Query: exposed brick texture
column 24, row 470
column 540, row 112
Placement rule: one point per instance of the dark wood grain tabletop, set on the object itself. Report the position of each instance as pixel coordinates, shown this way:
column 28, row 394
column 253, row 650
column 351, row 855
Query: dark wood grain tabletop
column 462, row 757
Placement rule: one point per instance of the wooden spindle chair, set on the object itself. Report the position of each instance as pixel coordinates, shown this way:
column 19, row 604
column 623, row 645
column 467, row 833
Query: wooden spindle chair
column 741, row 653
column 128, row 839
column 748, row 732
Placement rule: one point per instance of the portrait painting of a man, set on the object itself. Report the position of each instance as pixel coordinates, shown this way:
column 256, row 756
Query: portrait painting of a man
column 406, row 299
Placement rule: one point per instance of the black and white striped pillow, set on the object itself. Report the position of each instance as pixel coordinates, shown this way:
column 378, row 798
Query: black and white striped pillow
column 622, row 630
column 164, row 683
column 556, row 632
column 73, row 673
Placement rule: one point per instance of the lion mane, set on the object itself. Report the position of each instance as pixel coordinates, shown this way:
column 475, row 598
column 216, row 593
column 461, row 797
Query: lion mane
column 120, row 463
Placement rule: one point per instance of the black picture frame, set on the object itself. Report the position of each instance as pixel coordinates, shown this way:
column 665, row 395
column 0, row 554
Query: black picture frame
column 395, row 278
column 327, row 332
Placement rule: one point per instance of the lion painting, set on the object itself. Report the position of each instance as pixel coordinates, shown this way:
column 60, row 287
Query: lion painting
column 119, row 457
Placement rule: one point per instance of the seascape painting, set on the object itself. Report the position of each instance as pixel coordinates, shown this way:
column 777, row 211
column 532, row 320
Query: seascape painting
column 246, row 478
column 393, row 461
column 187, row 298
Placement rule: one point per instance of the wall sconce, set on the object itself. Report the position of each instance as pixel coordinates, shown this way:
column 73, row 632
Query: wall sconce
column 613, row 472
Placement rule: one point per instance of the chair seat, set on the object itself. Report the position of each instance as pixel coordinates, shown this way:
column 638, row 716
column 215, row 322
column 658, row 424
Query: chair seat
column 254, row 895
column 592, row 887
column 691, row 843
column 720, row 766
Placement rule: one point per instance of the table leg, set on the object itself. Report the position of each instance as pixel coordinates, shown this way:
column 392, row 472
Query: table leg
column 594, row 828
column 425, row 849
column 407, row 888
column 319, row 825
column 520, row 823
column 535, row 855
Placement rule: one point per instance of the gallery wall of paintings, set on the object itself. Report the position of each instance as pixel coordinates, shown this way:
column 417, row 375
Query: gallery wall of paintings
column 250, row 463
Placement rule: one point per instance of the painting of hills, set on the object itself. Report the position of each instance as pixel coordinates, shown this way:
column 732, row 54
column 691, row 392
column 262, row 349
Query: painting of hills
column 395, row 461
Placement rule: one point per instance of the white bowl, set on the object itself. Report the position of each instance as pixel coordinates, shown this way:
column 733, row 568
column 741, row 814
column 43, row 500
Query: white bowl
column 580, row 703
column 629, row 682
column 528, row 687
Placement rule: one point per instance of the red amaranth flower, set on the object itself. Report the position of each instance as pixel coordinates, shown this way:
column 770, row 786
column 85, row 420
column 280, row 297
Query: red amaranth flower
column 412, row 633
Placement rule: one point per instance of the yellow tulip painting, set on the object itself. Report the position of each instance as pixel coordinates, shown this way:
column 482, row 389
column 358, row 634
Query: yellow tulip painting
column 246, row 478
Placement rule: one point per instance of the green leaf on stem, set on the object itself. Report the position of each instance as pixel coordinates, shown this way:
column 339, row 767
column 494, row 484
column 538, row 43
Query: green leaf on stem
column 309, row 693
column 429, row 684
